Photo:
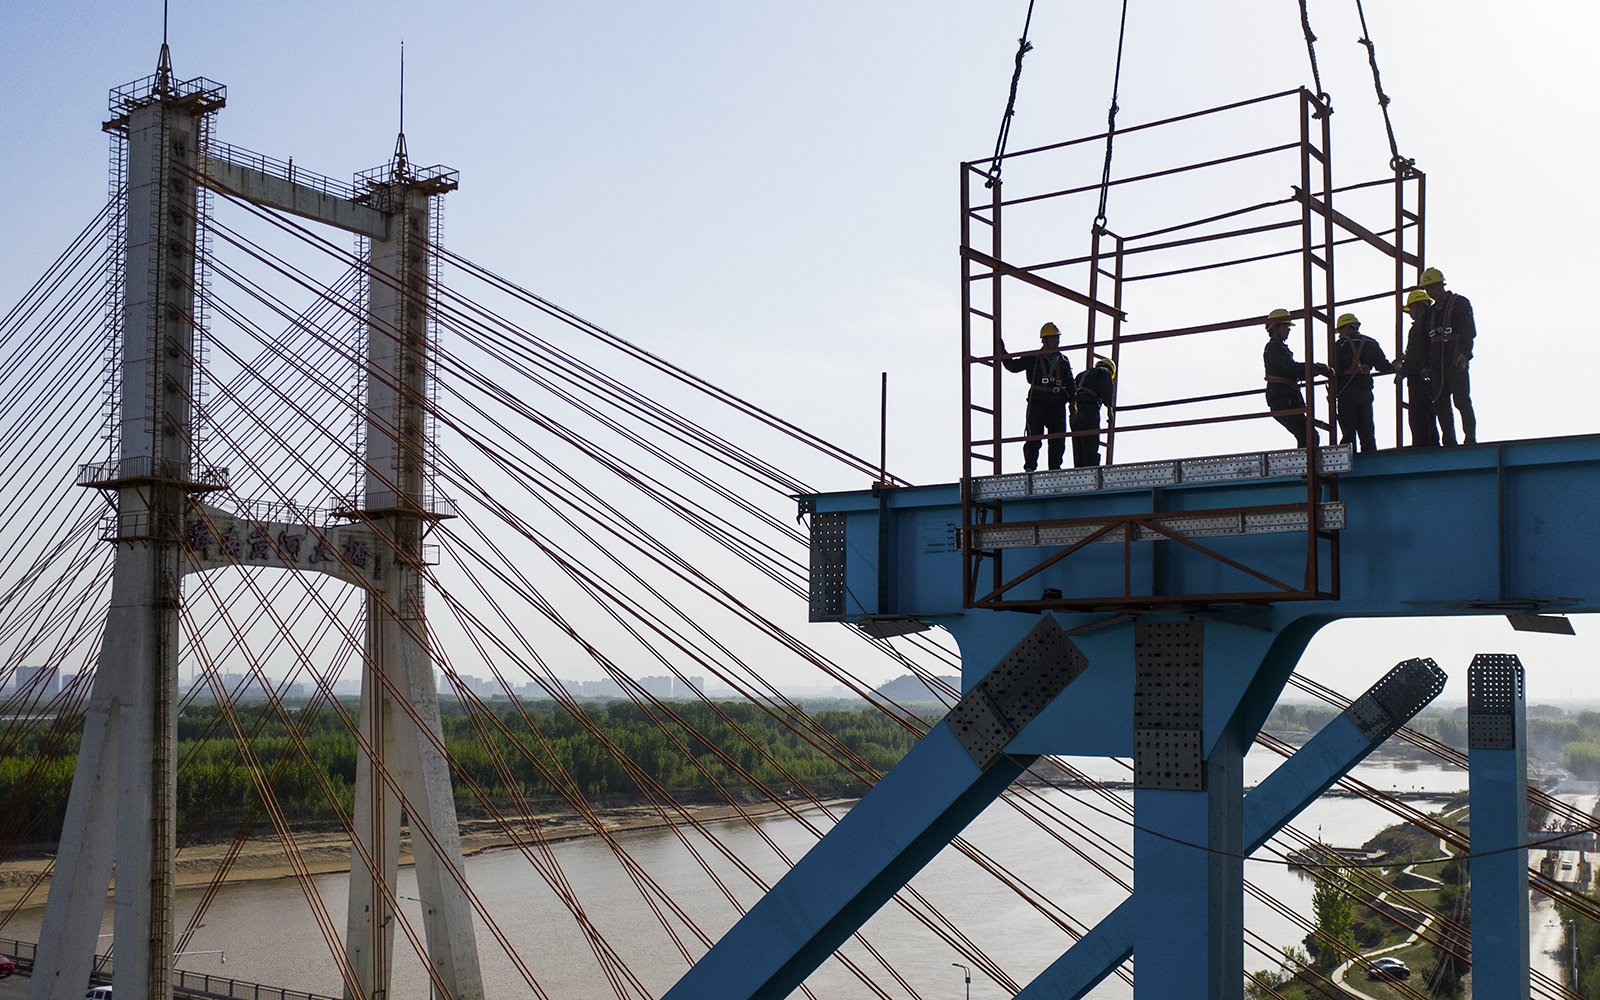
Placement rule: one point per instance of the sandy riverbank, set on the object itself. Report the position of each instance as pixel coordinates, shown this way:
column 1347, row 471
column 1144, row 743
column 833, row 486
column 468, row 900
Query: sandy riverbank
column 264, row 857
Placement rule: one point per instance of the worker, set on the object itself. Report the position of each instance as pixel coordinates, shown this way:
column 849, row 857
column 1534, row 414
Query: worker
column 1094, row 388
column 1413, row 365
column 1284, row 375
column 1450, row 336
column 1049, row 389
column 1355, row 358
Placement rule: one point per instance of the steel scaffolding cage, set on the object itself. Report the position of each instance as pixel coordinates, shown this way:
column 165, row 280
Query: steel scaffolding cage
column 1308, row 212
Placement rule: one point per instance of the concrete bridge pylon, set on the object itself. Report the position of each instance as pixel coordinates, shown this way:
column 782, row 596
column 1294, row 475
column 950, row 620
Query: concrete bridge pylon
column 121, row 813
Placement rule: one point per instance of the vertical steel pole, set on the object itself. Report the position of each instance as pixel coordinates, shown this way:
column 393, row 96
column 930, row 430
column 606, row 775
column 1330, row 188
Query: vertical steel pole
column 1307, row 262
column 996, row 558
column 968, row 571
column 1094, row 294
column 1497, row 756
column 1399, row 303
column 1189, row 842
column 1116, row 352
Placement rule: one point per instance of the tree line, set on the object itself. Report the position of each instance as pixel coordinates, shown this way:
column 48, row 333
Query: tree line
column 504, row 757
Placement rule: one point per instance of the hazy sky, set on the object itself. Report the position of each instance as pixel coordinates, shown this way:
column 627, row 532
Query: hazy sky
column 766, row 193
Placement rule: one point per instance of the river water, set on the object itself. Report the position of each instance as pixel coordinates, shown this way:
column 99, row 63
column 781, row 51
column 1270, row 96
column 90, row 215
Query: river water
column 270, row 936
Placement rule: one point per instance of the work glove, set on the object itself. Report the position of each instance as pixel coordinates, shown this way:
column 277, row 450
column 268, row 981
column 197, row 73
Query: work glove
column 1461, row 362
column 1323, row 370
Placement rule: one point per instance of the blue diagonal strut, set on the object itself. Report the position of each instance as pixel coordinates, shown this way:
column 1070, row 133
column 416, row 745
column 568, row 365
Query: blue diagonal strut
column 925, row 801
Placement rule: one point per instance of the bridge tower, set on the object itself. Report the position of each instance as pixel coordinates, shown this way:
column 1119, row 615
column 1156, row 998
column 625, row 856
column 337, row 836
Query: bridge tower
column 121, row 812
column 122, row 807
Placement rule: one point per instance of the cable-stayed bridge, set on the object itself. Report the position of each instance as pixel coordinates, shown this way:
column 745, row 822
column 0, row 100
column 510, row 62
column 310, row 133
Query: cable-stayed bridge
column 388, row 472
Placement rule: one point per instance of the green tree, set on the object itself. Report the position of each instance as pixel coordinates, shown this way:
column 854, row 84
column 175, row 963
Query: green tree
column 1334, row 908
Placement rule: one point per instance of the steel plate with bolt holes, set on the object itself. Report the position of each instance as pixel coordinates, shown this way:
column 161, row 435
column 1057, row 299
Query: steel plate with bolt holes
column 827, row 567
column 1330, row 517
column 1494, row 693
column 1399, row 694
column 1143, row 475
column 1020, row 686
column 1168, row 659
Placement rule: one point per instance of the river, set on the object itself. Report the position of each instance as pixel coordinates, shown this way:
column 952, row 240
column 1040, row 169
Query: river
column 269, row 936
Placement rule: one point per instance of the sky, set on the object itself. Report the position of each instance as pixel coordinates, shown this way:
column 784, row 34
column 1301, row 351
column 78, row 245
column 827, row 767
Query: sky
column 766, row 193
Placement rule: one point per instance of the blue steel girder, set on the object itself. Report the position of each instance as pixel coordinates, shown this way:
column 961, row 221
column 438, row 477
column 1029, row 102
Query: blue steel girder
column 1482, row 529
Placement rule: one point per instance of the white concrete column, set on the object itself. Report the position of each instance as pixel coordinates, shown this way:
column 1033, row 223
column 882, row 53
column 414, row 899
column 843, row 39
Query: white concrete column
column 121, row 811
column 396, row 501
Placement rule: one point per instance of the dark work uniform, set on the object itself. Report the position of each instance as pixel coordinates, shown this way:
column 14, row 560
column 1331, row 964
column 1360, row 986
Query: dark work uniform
column 1284, row 375
column 1450, row 336
column 1419, row 386
column 1092, row 389
column 1354, row 361
column 1049, row 388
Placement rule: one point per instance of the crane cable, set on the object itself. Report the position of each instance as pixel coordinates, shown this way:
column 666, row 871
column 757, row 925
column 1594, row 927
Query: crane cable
column 1311, row 50
column 1111, row 124
column 1023, row 48
column 1399, row 163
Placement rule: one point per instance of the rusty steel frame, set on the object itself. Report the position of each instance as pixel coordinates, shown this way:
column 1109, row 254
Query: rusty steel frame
column 1322, row 230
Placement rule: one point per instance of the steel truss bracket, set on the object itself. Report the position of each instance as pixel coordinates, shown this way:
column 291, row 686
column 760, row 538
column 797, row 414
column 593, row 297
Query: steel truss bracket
column 1494, row 697
column 1168, row 659
column 1271, row 805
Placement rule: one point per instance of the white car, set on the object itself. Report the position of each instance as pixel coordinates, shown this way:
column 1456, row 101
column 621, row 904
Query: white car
column 1388, row 968
column 98, row 993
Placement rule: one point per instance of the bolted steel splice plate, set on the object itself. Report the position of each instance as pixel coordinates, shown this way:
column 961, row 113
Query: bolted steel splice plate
column 1399, row 694
column 1494, row 694
column 1020, row 686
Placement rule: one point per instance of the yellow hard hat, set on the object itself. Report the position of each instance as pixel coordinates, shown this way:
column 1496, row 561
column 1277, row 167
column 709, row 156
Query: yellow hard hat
column 1280, row 316
column 1048, row 330
column 1418, row 296
column 1108, row 365
column 1432, row 276
column 1348, row 319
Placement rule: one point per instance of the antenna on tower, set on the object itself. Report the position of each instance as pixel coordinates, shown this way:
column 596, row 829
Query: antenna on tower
column 164, row 64
column 400, row 143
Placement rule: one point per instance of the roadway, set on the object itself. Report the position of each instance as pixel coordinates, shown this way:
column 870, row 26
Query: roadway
column 1546, row 947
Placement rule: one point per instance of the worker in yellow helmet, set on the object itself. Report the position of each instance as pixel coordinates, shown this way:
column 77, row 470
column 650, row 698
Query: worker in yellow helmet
column 1094, row 388
column 1415, row 366
column 1049, row 390
column 1451, row 333
column 1284, row 375
column 1355, row 357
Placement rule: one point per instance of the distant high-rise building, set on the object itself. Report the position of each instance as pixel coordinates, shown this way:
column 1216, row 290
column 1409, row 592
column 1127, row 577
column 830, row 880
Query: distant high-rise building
column 605, row 688
column 36, row 682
